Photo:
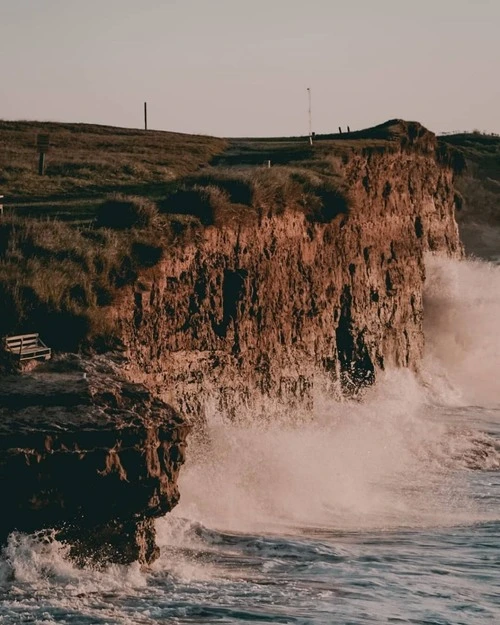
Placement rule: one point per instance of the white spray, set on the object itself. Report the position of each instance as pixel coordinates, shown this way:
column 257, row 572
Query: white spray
column 388, row 461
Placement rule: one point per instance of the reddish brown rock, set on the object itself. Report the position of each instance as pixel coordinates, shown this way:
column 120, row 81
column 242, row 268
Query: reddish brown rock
column 95, row 458
column 263, row 301
column 258, row 305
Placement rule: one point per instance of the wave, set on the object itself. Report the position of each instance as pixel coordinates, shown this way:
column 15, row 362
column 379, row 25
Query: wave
column 462, row 331
column 40, row 584
column 396, row 459
column 385, row 462
column 391, row 460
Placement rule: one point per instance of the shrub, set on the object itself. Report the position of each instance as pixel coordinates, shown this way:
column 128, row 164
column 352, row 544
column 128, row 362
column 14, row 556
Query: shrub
column 235, row 185
column 198, row 201
column 323, row 199
column 122, row 212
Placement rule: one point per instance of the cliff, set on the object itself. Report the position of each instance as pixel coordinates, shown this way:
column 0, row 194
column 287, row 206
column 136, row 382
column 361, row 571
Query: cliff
column 247, row 284
column 478, row 187
column 89, row 455
column 273, row 298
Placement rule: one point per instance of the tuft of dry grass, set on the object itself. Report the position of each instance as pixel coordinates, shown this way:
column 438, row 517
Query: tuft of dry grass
column 222, row 196
column 57, row 279
column 123, row 212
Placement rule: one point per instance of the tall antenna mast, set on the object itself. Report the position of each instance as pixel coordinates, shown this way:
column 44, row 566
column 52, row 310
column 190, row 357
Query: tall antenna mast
column 310, row 116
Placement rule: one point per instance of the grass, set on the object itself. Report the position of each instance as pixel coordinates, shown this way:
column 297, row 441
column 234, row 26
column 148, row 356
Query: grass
column 88, row 161
column 220, row 196
column 114, row 202
column 57, row 279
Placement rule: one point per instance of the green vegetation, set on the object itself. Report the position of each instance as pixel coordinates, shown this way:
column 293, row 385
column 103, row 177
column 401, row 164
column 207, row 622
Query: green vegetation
column 479, row 188
column 478, row 147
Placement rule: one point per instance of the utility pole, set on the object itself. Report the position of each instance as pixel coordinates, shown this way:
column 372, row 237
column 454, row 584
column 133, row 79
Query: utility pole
column 145, row 115
column 310, row 116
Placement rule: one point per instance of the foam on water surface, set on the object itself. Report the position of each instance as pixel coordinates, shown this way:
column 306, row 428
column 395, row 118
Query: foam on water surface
column 362, row 512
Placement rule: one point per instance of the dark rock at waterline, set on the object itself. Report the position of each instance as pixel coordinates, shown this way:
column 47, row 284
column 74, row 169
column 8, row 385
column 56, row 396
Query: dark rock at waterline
column 91, row 455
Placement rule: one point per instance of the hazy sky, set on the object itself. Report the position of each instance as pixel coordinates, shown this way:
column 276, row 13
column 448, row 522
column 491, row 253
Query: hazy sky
column 242, row 67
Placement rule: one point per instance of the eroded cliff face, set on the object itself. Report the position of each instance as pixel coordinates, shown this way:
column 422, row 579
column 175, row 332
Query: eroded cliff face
column 263, row 305
column 90, row 457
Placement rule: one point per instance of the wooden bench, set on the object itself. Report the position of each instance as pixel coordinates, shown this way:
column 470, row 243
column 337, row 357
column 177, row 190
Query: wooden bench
column 27, row 346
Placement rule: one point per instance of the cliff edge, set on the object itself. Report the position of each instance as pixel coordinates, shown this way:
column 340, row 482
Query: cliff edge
column 318, row 271
column 278, row 267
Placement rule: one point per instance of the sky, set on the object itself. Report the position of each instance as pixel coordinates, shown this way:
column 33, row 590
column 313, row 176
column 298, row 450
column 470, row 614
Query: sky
column 242, row 67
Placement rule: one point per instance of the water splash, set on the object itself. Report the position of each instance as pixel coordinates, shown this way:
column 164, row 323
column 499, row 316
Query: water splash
column 461, row 325
column 388, row 461
column 380, row 463
column 39, row 564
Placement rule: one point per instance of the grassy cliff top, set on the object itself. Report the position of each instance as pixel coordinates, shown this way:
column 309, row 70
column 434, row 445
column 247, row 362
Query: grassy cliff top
column 88, row 162
column 481, row 150
column 113, row 200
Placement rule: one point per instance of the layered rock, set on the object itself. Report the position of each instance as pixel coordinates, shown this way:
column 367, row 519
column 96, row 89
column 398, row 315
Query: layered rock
column 89, row 455
column 266, row 301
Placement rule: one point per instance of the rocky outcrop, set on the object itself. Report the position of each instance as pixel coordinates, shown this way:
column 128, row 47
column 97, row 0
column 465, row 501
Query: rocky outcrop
column 266, row 301
column 89, row 455
column 257, row 306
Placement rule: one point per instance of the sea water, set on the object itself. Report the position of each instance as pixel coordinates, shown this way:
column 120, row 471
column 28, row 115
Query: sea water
column 381, row 510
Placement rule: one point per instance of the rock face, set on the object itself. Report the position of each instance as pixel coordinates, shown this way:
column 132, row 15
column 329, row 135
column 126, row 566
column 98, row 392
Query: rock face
column 265, row 304
column 261, row 305
column 94, row 458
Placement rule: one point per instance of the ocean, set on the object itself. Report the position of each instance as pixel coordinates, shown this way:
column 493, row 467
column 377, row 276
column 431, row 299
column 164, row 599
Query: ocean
column 383, row 509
